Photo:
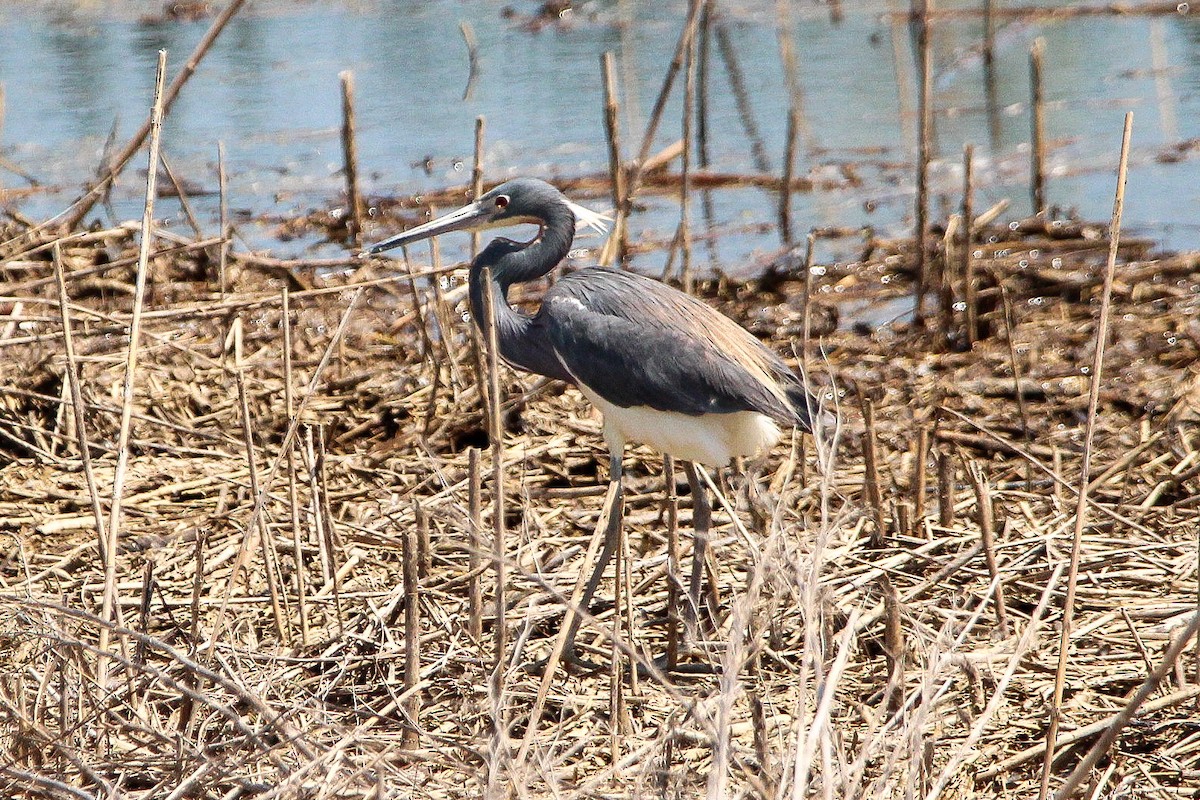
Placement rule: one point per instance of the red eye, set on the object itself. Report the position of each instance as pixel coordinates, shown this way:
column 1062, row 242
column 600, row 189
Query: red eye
column 502, row 202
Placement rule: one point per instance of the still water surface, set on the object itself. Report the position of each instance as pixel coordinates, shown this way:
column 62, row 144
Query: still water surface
column 74, row 69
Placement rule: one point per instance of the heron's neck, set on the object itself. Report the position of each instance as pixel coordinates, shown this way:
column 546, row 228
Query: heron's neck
column 513, row 262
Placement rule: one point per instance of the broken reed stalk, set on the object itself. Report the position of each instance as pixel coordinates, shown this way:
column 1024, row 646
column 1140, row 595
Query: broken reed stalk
column 261, row 532
column 966, row 256
column 967, row 750
column 920, row 481
column 83, row 205
column 987, row 535
column 1102, row 326
column 1080, row 734
column 494, row 434
column 685, row 183
column 479, row 365
column 424, row 554
column 475, row 552
column 181, row 193
column 924, row 134
column 616, row 252
column 412, row 640
column 435, row 361
column 350, row 156
column 1131, row 626
column 893, row 644
column 820, row 719
column 223, row 205
column 871, row 475
column 289, row 404
column 945, row 480
column 109, row 600
column 78, row 408
column 477, row 173
column 1037, row 121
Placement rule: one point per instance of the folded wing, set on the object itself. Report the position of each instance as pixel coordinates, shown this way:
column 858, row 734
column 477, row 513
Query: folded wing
column 638, row 342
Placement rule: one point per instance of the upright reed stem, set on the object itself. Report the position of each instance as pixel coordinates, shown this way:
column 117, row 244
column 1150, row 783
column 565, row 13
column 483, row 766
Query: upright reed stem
column 1037, row 183
column 350, row 156
column 924, row 133
column 616, row 170
column 1064, row 641
column 135, row 332
column 495, row 434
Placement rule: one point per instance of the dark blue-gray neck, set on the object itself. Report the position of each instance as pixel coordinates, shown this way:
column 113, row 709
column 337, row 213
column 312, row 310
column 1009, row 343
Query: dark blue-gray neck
column 514, row 262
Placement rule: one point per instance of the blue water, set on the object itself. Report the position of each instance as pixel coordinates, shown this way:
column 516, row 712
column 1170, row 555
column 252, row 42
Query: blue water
column 269, row 90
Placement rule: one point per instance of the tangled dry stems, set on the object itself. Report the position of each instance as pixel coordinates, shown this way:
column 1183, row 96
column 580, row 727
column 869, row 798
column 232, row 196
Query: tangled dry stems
column 852, row 661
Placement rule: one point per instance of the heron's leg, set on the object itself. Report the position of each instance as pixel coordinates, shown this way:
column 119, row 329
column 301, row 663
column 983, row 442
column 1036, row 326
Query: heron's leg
column 701, row 525
column 614, row 511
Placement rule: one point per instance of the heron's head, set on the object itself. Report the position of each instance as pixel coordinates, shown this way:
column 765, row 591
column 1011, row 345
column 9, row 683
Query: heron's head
column 516, row 202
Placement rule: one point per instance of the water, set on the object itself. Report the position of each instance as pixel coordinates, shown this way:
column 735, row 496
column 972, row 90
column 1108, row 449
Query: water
column 269, row 90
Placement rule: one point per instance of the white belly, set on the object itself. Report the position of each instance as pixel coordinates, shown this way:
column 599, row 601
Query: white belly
column 713, row 439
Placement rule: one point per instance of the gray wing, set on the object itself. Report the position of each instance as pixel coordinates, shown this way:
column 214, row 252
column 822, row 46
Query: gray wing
column 638, row 342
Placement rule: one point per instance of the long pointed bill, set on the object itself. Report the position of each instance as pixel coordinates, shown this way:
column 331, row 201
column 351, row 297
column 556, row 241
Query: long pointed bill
column 472, row 216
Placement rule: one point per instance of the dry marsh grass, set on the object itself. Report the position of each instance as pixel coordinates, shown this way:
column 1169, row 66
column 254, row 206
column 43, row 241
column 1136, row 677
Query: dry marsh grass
column 881, row 632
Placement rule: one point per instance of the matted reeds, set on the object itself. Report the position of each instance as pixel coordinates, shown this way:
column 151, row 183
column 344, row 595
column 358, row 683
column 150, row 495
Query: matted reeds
column 860, row 642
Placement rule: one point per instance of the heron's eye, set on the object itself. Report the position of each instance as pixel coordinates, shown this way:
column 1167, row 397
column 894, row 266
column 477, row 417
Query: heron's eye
column 502, row 202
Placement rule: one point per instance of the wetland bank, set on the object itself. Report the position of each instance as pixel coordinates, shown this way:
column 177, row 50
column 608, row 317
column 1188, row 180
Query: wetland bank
column 301, row 598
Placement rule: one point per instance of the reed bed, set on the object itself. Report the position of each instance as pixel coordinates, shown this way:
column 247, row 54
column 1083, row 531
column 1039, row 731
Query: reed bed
column 881, row 632
column 248, row 513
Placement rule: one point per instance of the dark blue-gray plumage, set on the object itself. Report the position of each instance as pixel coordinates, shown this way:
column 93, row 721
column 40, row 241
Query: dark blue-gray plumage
column 664, row 368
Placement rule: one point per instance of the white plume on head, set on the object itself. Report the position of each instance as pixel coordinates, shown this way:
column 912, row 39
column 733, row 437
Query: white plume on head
column 586, row 219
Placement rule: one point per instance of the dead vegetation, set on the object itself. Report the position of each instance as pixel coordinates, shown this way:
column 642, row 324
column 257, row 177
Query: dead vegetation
column 881, row 631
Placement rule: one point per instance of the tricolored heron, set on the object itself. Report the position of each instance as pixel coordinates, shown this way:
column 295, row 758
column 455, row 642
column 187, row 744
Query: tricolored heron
column 664, row 368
